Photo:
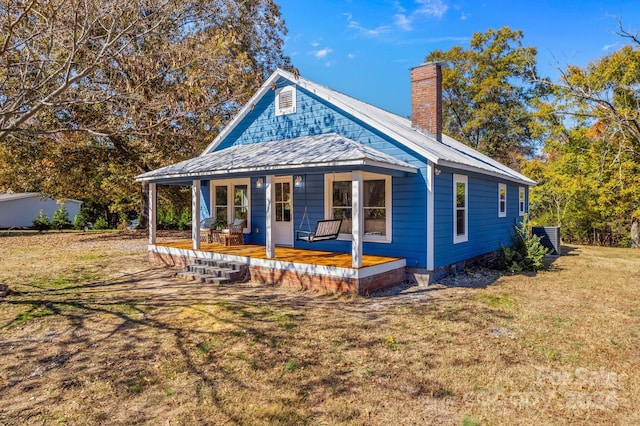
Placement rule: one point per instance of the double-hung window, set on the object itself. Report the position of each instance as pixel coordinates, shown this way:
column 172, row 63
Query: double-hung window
column 376, row 204
column 502, row 200
column 460, row 209
column 521, row 201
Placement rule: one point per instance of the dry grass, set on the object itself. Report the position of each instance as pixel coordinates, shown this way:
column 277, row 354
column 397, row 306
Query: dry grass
column 93, row 334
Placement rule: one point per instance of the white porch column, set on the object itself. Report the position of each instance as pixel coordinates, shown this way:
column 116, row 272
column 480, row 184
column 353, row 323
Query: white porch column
column 357, row 221
column 430, row 215
column 153, row 213
column 195, row 214
column 268, row 196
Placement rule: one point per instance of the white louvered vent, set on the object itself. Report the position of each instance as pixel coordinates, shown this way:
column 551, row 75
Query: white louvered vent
column 286, row 100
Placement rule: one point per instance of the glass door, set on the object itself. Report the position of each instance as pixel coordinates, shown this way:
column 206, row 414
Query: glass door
column 283, row 211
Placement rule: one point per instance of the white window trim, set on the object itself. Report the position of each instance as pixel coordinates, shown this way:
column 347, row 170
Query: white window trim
column 464, row 237
column 522, row 206
column 280, row 92
column 328, row 197
column 502, row 186
column 230, row 183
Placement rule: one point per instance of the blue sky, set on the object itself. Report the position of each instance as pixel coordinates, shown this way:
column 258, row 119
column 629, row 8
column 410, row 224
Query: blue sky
column 365, row 48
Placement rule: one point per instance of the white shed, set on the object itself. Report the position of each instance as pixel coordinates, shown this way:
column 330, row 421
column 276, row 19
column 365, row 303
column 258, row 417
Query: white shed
column 19, row 210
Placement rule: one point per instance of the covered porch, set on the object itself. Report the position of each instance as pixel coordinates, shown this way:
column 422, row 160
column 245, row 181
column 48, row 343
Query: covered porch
column 261, row 173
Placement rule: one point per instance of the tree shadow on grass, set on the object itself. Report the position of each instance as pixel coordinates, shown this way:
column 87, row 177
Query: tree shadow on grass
column 112, row 330
column 226, row 348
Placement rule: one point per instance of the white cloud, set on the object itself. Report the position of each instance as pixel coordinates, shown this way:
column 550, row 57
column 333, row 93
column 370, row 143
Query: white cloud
column 402, row 22
column 404, row 19
column 435, row 8
column 426, row 8
column 322, row 52
column 607, row 47
column 464, row 16
column 351, row 55
column 369, row 32
column 315, row 43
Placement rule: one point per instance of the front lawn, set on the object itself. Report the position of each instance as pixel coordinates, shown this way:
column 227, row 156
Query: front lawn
column 94, row 334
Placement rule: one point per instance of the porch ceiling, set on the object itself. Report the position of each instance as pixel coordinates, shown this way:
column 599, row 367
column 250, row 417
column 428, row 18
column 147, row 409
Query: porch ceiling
column 327, row 152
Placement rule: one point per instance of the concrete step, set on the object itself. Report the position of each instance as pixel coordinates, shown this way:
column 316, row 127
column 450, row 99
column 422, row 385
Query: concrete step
column 233, row 274
column 214, row 272
column 205, row 279
column 220, row 264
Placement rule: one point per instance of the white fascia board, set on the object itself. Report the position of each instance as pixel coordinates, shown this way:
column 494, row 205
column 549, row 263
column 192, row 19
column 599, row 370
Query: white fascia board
column 266, row 86
column 521, row 180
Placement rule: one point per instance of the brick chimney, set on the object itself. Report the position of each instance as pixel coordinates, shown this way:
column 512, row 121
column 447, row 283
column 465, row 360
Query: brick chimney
column 426, row 98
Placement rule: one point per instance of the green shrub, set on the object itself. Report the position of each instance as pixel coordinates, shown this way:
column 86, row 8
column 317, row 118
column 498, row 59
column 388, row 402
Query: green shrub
column 525, row 253
column 101, row 223
column 167, row 218
column 60, row 219
column 185, row 219
column 81, row 220
column 41, row 222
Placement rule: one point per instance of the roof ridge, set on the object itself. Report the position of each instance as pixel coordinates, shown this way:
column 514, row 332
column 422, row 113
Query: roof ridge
column 388, row 123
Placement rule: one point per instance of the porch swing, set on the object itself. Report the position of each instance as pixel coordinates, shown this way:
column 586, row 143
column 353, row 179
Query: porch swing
column 327, row 229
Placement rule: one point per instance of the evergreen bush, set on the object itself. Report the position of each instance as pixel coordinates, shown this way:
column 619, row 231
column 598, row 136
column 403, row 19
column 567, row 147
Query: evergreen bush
column 526, row 253
column 81, row 220
column 60, row 219
column 101, row 223
column 41, row 222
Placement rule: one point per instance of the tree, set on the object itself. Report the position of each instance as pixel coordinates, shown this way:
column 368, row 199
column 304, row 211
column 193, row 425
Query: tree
column 41, row 222
column 60, row 219
column 490, row 93
column 604, row 97
column 48, row 49
column 164, row 93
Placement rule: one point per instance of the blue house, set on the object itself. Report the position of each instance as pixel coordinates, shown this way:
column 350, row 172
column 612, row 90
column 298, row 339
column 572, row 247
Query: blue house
column 411, row 199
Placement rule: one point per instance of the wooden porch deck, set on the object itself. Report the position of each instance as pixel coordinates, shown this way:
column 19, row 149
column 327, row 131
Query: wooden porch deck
column 283, row 254
column 293, row 267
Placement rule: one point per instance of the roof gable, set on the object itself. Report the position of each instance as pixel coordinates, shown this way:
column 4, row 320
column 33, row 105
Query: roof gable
column 448, row 152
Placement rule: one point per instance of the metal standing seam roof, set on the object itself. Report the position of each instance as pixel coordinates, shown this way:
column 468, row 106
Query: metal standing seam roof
column 447, row 152
column 308, row 152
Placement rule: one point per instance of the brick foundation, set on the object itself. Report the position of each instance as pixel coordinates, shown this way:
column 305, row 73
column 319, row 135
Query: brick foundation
column 302, row 281
column 170, row 259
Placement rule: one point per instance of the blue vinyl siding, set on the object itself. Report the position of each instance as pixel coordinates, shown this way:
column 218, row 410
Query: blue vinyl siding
column 258, row 215
column 408, row 220
column 205, row 200
column 314, row 116
column 487, row 232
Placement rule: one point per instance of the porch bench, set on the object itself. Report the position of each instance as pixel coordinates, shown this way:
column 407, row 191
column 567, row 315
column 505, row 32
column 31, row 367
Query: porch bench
column 325, row 230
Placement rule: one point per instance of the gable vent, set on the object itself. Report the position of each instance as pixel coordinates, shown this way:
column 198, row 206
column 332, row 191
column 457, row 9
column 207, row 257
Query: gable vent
column 286, row 100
